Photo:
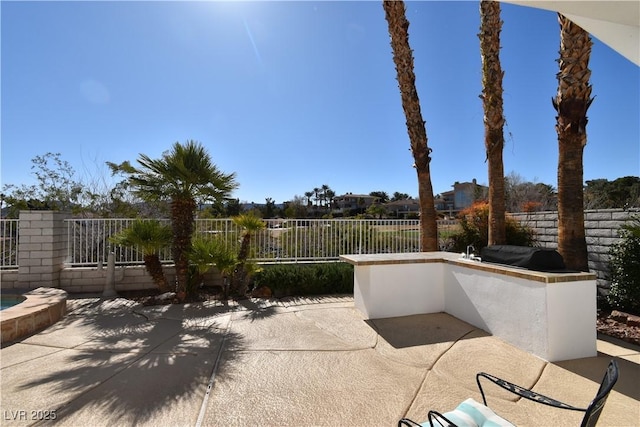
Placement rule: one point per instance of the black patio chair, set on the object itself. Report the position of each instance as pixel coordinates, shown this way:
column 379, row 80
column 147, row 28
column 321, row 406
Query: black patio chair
column 472, row 413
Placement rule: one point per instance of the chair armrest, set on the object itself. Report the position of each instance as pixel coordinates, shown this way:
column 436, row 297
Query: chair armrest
column 522, row 392
column 408, row 422
column 437, row 417
column 433, row 417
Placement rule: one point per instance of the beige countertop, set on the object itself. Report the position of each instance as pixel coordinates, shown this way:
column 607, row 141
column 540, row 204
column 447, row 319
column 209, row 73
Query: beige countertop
column 455, row 259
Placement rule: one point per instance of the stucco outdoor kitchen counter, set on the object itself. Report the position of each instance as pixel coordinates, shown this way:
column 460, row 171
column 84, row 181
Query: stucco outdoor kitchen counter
column 552, row 315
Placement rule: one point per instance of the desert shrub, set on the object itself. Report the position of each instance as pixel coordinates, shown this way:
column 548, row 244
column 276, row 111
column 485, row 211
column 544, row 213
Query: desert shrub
column 474, row 230
column 307, row 279
column 624, row 269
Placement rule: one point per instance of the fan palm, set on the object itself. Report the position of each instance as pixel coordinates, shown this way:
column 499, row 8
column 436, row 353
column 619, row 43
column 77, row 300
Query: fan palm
column 205, row 253
column 492, row 74
column 249, row 224
column 226, row 262
column 403, row 58
column 183, row 175
column 202, row 254
column 148, row 237
column 571, row 103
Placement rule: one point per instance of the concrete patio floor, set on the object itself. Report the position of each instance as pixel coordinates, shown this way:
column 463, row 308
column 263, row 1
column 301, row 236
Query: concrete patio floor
column 301, row 361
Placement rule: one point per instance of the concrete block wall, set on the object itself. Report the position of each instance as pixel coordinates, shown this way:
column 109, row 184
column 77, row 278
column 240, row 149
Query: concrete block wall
column 545, row 225
column 42, row 248
column 8, row 279
column 93, row 280
column 601, row 231
column 130, row 278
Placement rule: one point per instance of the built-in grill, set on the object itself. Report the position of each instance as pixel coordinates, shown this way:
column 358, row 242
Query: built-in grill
column 538, row 259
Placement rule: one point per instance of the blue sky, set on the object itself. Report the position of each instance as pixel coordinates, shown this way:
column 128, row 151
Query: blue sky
column 293, row 95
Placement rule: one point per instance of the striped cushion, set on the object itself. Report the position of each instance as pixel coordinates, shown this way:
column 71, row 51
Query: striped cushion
column 471, row 413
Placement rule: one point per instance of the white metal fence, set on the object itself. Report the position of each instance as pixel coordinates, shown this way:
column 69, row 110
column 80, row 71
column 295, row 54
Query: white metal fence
column 9, row 243
column 88, row 242
column 292, row 240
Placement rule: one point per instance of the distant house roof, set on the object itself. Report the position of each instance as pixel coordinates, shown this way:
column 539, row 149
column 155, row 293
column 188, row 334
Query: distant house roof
column 471, row 184
column 403, row 202
column 403, row 206
column 357, row 196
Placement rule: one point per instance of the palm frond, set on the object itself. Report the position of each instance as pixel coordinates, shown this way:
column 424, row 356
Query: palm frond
column 147, row 236
column 249, row 222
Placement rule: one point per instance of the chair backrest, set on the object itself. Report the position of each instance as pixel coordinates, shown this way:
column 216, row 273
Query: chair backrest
column 595, row 407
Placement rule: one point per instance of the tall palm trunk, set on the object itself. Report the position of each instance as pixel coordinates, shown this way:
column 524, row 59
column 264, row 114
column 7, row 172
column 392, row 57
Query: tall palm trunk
column 572, row 102
column 403, row 58
column 182, row 217
column 492, row 74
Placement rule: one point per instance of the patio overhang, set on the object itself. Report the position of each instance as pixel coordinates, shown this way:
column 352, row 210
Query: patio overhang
column 615, row 23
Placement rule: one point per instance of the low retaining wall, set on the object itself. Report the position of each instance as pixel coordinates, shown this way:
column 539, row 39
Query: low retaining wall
column 92, row 280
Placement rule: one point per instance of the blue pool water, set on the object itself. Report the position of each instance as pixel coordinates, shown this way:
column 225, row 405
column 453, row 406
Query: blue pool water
column 7, row 301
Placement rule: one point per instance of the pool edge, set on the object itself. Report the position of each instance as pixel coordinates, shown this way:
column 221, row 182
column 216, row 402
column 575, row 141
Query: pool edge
column 42, row 308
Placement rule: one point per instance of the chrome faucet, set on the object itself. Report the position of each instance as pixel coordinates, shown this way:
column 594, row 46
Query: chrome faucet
column 470, row 250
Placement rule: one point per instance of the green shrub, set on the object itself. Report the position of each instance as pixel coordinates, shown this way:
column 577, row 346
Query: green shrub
column 474, row 230
column 624, row 269
column 307, row 279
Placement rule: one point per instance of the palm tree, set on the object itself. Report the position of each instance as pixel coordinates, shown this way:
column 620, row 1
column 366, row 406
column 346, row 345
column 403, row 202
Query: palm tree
column 182, row 175
column 308, row 195
column 330, row 194
column 382, row 196
column 377, row 210
column 205, row 253
column 202, row 255
column 571, row 103
column 225, row 262
column 324, row 190
column 249, row 224
column 492, row 74
column 403, row 58
column 149, row 237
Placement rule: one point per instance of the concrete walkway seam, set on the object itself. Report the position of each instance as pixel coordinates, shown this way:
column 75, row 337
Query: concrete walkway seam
column 212, row 378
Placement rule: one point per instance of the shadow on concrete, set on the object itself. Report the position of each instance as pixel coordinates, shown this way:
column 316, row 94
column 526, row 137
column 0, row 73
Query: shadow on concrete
column 422, row 329
column 256, row 310
column 593, row 368
column 133, row 362
column 633, row 348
